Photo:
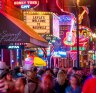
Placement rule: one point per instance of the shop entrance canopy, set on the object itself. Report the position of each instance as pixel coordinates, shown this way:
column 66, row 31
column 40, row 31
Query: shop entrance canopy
column 13, row 30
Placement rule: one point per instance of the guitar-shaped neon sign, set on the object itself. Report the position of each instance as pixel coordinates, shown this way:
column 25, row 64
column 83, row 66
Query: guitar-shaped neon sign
column 82, row 14
column 70, row 36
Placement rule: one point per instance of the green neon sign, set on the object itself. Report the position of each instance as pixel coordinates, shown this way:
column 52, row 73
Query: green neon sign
column 80, row 48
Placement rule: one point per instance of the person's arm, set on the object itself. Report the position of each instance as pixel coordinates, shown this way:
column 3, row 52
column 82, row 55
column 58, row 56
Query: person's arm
column 3, row 86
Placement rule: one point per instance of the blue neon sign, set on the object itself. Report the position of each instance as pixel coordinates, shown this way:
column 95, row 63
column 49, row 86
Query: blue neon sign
column 25, row 6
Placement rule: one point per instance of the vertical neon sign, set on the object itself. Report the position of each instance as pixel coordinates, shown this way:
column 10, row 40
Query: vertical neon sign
column 70, row 36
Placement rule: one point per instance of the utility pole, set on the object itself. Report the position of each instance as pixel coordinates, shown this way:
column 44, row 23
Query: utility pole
column 77, row 32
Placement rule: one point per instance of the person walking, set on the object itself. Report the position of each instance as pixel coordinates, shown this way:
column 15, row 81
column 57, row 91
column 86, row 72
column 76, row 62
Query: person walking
column 74, row 85
column 90, row 84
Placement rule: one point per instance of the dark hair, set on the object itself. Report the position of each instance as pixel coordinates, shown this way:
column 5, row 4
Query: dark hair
column 34, row 69
column 17, row 69
column 41, row 72
column 48, row 69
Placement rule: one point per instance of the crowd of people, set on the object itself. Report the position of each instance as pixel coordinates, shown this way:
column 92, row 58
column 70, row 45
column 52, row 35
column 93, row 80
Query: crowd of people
column 47, row 80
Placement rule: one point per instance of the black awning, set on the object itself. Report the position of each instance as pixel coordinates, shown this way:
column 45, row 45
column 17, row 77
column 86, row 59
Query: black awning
column 13, row 30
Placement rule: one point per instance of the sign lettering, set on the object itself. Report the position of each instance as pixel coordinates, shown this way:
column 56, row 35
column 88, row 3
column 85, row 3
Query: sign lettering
column 10, row 37
column 26, row 4
column 80, row 48
column 13, row 47
column 40, row 23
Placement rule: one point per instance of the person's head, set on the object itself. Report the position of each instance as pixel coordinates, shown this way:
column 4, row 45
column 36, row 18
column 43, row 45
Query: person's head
column 41, row 72
column 32, row 73
column 21, row 69
column 47, row 82
column 49, row 71
column 9, row 76
column 3, row 67
column 94, row 72
column 55, row 70
column 17, row 69
column 74, row 80
column 19, row 84
column 61, row 76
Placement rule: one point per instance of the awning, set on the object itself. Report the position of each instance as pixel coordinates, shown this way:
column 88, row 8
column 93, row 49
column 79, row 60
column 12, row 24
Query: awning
column 13, row 30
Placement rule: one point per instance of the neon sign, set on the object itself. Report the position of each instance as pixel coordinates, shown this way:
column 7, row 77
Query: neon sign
column 60, row 54
column 69, row 39
column 26, row 4
column 13, row 47
column 80, row 48
column 65, row 19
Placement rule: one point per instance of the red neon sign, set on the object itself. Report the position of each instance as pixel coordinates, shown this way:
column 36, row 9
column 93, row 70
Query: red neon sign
column 35, row 2
column 24, row 3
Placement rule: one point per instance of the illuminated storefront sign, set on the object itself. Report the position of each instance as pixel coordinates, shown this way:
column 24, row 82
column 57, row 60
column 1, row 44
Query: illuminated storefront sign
column 48, row 50
column 84, row 35
column 11, row 47
column 94, row 56
column 60, row 54
column 66, row 23
column 56, row 26
column 40, row 23
column 26, row 4
column 70, row 36
column 40, row 52
column 80, row 48
column 69, row 39
column 65, row 19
